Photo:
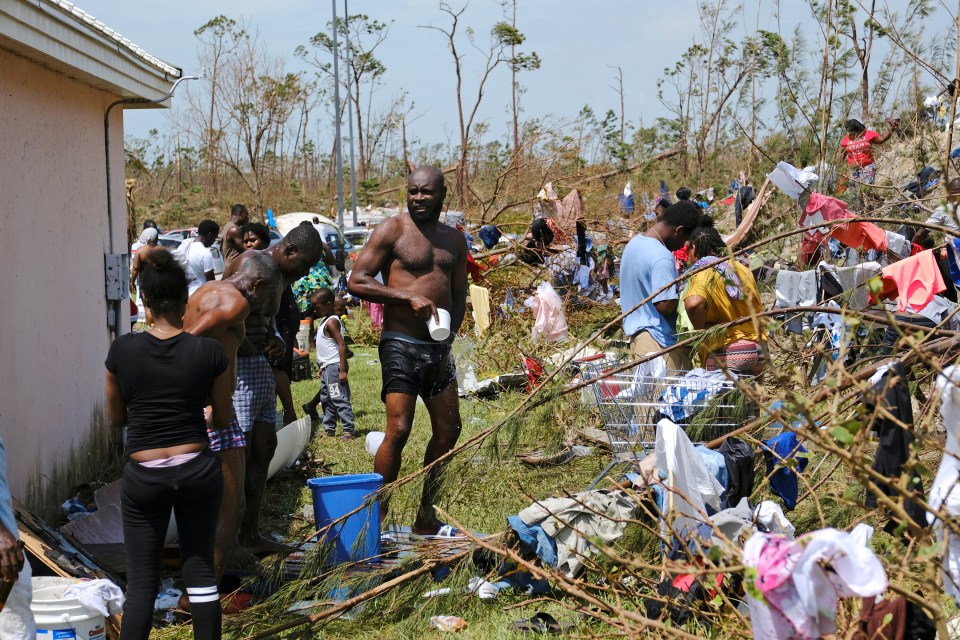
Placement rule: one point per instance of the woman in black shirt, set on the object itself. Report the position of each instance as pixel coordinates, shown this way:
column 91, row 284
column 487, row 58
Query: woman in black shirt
column 158, row 383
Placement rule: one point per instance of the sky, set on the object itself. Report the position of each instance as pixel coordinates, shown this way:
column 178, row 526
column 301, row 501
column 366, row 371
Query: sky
column 578, row 42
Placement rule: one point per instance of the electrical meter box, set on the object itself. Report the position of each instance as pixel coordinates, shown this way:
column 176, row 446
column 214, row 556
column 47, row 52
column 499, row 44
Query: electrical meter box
column 117, row 274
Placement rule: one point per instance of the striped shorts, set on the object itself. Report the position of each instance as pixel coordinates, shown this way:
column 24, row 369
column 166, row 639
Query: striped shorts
column 255, row 399
column 742, row 356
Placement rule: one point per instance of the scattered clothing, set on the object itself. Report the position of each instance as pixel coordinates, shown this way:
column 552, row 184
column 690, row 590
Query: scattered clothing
column 854, row 279
column 716, row 464
column 692, row 393
column 821, row 208
column 575, row 521
column 945, row 491
column 769, row 515
column 792, row 587
column 894, row 619
column 690, row 485
column 550, row 322
column 860, row 235
column 102, row 596
column 796, row 289
column 480, row 302
column 738, row 456
column 490, row 235
column 790, row 180
column 783, row 481
column 375, row 309
column 892, row 394
column 898, row 244
column 918, row 280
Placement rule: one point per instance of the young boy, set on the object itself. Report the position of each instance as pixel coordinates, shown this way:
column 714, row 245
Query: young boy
column 334, row 393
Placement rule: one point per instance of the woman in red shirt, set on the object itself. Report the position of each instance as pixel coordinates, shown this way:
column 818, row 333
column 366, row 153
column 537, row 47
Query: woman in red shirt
column 858, row 145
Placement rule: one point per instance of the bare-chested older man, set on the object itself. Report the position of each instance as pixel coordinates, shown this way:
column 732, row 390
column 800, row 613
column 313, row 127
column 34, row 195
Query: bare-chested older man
column 254, row 400
column 424, row 267
column 219, row 310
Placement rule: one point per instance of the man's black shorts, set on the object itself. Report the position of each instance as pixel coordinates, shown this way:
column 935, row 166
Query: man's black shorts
column 416, row 368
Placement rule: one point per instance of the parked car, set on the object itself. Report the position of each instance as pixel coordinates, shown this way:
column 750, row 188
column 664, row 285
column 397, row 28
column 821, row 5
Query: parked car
column 275, row 237
column 357, row 236
column 328, row 229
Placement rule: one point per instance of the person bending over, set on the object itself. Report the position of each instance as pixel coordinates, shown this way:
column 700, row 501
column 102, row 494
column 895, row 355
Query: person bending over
column 726, row 292
column 218, row 310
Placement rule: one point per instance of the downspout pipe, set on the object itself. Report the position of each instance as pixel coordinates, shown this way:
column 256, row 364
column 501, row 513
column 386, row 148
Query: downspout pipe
column 113, row 320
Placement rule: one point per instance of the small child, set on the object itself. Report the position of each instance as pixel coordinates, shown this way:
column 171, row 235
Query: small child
column 334, row 393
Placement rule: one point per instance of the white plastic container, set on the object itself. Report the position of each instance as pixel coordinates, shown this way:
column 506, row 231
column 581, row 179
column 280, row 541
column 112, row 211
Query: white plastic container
column 64, row 619
column 303, row 336
column 440, row 328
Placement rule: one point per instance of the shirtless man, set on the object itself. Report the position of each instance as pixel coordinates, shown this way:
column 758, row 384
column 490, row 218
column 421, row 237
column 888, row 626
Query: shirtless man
column 231, row 245
column 424, row 267
column 218, row 310
column 255, row 397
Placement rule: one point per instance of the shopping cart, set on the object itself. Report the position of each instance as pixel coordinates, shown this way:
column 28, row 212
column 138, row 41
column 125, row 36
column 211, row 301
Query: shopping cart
column 631, row 403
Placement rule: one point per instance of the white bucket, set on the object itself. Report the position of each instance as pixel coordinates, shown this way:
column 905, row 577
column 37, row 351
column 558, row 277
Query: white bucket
column 65, row 619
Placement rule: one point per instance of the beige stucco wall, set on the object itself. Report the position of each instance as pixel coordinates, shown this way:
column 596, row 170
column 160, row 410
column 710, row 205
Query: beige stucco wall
column 53, row 312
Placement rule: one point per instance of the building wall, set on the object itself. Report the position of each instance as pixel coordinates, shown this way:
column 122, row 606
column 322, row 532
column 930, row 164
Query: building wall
column 53, row 311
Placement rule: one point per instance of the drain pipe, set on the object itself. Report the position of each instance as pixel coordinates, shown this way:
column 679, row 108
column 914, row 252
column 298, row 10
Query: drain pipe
column 113, row 306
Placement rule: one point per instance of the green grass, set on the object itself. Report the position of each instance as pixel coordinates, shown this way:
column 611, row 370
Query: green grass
column 483, row 487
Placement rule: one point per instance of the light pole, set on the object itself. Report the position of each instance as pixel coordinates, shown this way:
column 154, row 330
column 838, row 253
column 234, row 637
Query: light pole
column 336, row 108
column 350, row 100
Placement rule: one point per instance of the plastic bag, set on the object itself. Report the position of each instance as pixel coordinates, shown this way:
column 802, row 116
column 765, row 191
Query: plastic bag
column 550, row 323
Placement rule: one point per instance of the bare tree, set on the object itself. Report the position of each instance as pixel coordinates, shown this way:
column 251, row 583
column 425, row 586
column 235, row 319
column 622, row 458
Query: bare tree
column 503, row 37
column 363, row 38
column 219, row 38
column 257, row 100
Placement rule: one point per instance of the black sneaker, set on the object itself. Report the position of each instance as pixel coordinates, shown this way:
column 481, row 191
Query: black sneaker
column 310, row 411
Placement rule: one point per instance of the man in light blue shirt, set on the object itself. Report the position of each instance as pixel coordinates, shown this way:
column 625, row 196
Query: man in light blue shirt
column 16, row 619
column 646, row 267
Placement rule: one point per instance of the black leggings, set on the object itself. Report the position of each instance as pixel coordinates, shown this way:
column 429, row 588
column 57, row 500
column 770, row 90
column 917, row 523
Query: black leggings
column 193, row 490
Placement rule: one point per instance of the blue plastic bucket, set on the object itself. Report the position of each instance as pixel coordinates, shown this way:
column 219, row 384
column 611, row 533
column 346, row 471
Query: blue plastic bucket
column 357, row 537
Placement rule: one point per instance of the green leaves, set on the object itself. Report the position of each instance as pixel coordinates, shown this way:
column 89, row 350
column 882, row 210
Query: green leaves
column 845, row 432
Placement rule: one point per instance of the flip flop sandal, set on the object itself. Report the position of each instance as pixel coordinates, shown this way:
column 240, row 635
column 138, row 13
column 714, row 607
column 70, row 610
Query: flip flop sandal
column 446, row 532
column 541, row 623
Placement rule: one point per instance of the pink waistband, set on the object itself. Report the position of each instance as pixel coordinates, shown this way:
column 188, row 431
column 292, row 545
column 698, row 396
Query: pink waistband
column 172, row 461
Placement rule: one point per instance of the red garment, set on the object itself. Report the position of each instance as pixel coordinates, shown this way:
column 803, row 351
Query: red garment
column 681, row 256
column 860, row 235
column 918, row 279
column 475, row 269
column 811, row 248
column 889, row 291
column 916, row 248
column 829, row 208
column 860, row 150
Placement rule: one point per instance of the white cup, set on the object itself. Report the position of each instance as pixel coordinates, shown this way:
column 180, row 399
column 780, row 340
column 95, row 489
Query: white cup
column 439, row 329
column 374, row 440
